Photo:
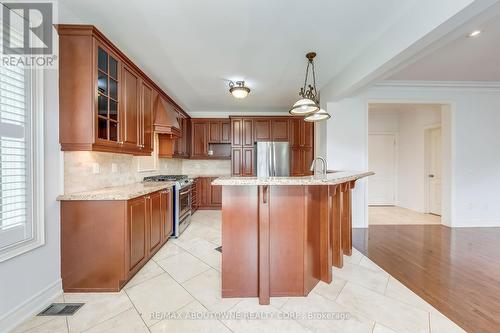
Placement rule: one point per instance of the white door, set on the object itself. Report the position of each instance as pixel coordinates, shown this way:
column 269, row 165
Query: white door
column 434, row 176
column 382, row 161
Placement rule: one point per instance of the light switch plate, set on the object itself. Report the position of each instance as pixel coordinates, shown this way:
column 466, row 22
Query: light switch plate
column 114, row 168
column 95, row 168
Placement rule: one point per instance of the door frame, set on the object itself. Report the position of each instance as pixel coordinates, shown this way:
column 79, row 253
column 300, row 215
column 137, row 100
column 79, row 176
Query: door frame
column 396, row 164
column 448, row 111
column 427, row 158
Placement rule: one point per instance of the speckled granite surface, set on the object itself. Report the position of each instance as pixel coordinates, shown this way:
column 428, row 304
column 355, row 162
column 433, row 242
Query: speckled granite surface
column 123, row 192
column 328, row 179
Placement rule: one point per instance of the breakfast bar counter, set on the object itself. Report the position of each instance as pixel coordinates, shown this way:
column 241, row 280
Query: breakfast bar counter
column 282, row 235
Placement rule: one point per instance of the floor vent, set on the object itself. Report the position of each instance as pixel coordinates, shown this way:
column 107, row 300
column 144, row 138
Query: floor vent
column 218, row 249
column 61, row 309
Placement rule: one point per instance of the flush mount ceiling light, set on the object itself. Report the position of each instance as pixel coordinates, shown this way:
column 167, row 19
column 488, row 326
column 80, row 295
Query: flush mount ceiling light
column 475, row 33
column 238, row 89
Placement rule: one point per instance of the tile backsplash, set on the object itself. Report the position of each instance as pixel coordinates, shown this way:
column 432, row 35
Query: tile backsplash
column 206, row 167
column 87, row 171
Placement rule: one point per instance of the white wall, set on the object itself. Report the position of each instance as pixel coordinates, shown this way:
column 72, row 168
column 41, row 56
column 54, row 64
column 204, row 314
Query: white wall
column 32, row 280
column 474, row 161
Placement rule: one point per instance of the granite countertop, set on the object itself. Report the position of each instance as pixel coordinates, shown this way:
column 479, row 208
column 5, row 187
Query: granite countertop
column 124, row 192
column 332, row 178
column 208, row 176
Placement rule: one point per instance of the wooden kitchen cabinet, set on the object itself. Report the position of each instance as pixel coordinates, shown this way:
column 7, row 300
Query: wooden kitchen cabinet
column 105, row 243
column 105, row 101
column 199, row 139
column 182, row 145
column 262, row 130
column 148, row 96
column 301, row 147
column 155, row 221
column 167, row 211
column 195, row 195
column 130, row 112
column 136, row 234
column 209, row 196
column 248, row 130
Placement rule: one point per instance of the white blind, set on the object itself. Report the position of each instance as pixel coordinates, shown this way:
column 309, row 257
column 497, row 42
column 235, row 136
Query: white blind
column 15, row 137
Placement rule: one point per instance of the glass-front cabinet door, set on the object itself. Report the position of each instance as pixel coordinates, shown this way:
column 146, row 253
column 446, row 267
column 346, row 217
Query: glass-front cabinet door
column 107, row 96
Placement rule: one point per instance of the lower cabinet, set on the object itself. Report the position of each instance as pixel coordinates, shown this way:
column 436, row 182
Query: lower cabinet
column 208, row 196
column 105, row 243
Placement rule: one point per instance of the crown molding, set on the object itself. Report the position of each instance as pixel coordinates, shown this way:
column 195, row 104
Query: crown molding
column 452, row 85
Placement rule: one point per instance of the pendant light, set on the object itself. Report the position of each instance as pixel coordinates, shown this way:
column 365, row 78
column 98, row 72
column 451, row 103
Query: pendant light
column 238, row 89
column 308, row 104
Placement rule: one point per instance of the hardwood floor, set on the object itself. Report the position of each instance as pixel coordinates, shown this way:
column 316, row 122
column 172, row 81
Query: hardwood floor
column 455, row 270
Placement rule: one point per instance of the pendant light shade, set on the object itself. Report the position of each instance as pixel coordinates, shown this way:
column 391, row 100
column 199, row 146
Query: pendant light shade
column 318, row 116
column 304, row 107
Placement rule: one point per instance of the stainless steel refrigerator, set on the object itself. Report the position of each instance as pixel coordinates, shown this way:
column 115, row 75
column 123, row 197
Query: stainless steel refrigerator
column 272, row 159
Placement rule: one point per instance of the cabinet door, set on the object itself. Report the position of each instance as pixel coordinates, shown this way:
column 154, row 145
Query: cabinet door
column 295, row 132
column 204, row 192
column 147, row 98
column 155, row 221
column 167, row 214
column 195, row 195
column 247, row 137
column 136, row 233
column 236, row 132
column 130, row 109
column 279, row 130
column 199, row 147
column 247, row 167
column 226, row 132
column 307, row 158
column 296, row 161
column 236, row 161
column 307, row 134
column 262, row 130
column 214, row 132
column 215, row 194
column 108, row 77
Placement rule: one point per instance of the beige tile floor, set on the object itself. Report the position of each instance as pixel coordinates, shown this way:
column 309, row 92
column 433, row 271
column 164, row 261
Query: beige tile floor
column 184, row 277
column 383, row 215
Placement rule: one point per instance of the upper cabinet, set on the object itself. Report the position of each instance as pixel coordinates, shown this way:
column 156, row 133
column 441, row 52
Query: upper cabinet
column 248, row 130
column 210, row 138
column 106, row 103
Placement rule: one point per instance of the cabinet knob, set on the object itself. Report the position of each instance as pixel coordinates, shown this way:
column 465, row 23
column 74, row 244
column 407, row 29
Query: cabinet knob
column 120, row 142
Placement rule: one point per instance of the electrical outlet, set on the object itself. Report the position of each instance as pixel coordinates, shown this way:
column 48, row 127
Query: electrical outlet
column 95, row 168
column 114, row 168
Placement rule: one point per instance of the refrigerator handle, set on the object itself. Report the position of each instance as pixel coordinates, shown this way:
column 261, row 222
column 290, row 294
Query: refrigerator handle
column 274, row 160
column 270, row 161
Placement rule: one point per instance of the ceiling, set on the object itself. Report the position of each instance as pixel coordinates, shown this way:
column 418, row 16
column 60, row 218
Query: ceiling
column 192, row 47
column 463, row 59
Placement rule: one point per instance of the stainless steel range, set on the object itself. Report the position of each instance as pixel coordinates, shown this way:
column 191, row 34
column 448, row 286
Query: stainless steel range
column 182, row 200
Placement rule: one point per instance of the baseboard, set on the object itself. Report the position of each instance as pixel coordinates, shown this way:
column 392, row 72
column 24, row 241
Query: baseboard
column 30, row 307
column 475, row 223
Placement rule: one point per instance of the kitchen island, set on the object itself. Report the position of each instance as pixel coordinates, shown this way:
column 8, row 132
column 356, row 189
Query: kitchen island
column 282, row 235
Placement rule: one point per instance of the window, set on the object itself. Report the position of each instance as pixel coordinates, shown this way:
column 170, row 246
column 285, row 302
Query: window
column 21, row 160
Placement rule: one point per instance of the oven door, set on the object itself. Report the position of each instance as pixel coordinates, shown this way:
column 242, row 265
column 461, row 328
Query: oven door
column 184, row 202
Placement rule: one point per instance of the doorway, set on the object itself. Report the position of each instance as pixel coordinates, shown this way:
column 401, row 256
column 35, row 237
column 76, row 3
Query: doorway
column 405, row 152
